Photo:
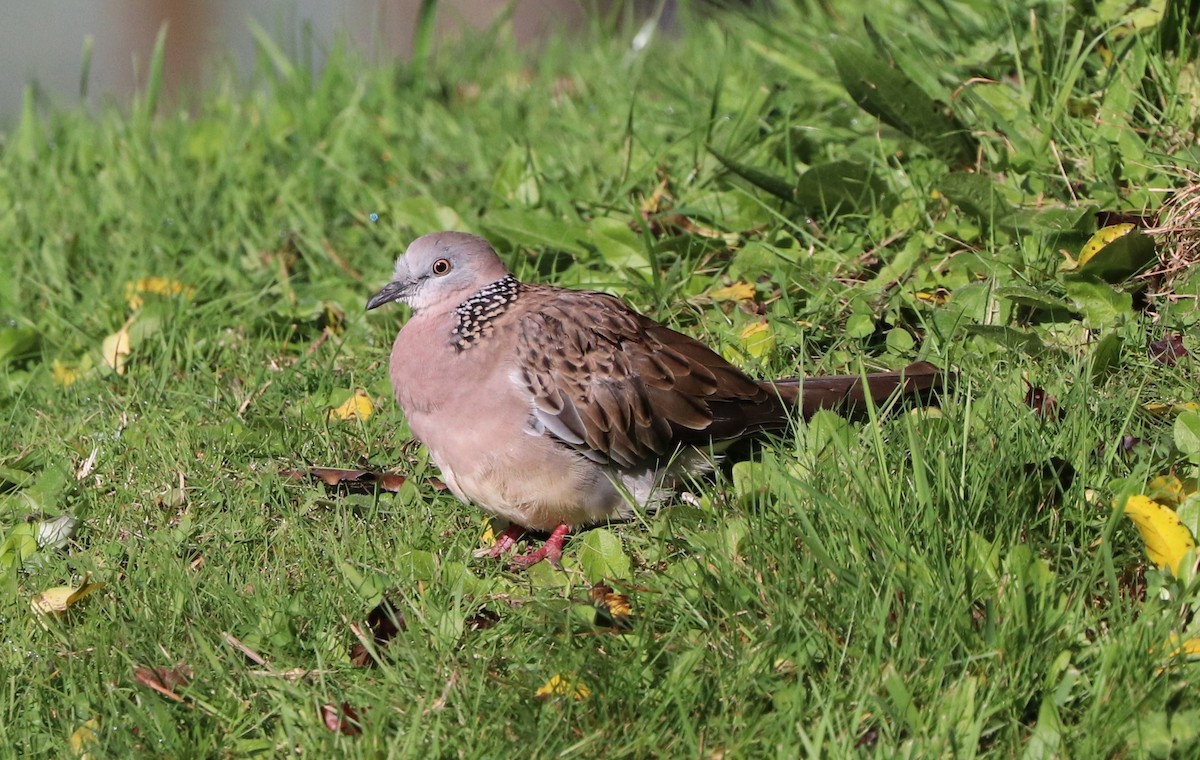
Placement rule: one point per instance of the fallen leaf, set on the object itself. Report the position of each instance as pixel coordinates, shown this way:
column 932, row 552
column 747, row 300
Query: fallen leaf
column 363, row 481
column 560, row 686
column 1169, row 350
column 483, row 619
column 655, row 212
column 1103, row 237
column 384, row 622
column 343, row 719
column 488, row 538
column 1189, row 647
column 84, row 738
column 57, row 600
column 1170, row 489
column 162, row 286
column 63, row 375
column 937, row 296
column 54, row 534
column 1115, row 253
column 1167, row 540
column 1043, row 404
column 612, row 610
column 1159, row 409
column 115, row 350
column 738, row 291
column 868, row 738
column 357, row 407
column 164, row 680
column 1128, row 443
column 757, row 339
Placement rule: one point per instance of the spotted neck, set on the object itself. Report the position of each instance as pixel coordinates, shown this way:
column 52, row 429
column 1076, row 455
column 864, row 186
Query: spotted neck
column 474, row 316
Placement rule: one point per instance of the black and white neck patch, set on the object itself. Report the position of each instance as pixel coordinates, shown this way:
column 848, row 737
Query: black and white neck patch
column 475, row 315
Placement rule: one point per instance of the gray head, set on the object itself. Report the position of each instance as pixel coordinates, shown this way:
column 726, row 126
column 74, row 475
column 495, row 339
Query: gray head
column 443, row 268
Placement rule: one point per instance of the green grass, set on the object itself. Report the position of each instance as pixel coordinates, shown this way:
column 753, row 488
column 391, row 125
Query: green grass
column 917, row 585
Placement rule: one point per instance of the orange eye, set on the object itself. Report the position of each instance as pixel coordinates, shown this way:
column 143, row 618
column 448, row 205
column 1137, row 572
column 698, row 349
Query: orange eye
column 441, row 266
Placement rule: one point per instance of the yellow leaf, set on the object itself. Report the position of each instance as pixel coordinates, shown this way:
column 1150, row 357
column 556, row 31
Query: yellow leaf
column 1189, row 648
column 162, row 286
column 1167, row 539
column 84, row 737
column 559, row 686
column 1170, row 489
column 1103, row 237
column 936, row 297
column 64, row 375
column 357, row 407
column 757, row 339
column 1159, row 409
column 115, row 349
column 57, row 600
column 489, row 534
column 738, row 291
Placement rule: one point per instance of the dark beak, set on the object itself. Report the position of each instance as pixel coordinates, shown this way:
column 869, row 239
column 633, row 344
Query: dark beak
column 391, row 292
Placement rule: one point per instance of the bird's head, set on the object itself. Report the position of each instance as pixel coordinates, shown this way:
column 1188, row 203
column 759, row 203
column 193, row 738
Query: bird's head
column 442, row 269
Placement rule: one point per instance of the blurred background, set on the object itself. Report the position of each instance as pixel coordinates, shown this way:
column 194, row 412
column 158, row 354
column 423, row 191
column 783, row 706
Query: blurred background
column 43, row 42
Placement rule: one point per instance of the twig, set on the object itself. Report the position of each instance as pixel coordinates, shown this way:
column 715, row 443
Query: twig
column 255, row 657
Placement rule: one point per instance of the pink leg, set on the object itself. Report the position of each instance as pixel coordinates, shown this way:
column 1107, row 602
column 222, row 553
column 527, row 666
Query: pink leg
column 504, row 542
column 551, row 550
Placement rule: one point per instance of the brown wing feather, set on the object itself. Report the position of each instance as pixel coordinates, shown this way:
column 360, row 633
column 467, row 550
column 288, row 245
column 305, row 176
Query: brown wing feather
column 624, row 389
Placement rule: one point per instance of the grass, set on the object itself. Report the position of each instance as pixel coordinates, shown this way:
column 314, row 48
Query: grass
column 918, row 585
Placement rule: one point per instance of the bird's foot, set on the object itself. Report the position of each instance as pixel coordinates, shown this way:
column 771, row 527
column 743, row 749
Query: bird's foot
column 551, row 550
column 504, row 542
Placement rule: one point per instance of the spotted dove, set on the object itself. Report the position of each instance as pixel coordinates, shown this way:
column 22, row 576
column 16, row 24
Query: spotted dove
column 558, row 409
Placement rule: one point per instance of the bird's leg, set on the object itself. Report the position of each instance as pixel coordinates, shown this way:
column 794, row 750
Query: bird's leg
column 551, row 550
column 504, row 542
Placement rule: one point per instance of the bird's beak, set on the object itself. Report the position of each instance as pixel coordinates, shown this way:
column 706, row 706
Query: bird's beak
column 393, row 291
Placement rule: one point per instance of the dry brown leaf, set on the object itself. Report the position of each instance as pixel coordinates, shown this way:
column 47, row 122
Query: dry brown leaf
column 1043, row 404
column 343, row 719
column 1169, row 350
column 164, row 680
column 483, row 619
column 361, row 481
column 384, row 622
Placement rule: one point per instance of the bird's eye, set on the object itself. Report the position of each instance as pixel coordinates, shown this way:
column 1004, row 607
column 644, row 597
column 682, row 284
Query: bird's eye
column 441, row 266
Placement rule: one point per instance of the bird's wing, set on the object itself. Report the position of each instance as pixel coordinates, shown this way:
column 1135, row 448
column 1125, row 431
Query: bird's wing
column 622, row 388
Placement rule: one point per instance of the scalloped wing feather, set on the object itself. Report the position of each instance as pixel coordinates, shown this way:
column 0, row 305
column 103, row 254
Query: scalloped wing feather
column 613, row 383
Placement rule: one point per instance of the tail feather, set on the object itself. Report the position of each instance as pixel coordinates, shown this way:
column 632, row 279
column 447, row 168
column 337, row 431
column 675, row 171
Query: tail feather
column 847, row 393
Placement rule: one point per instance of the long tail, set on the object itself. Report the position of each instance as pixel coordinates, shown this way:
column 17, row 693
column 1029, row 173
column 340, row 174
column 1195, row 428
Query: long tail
column 846, row 393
